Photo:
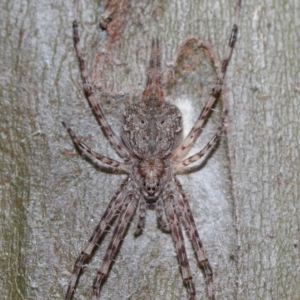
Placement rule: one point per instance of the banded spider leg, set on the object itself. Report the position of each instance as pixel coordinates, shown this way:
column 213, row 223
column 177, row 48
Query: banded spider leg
column 152, row 154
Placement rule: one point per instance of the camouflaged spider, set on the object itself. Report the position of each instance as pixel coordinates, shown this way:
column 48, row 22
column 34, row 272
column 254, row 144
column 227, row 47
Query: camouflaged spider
column 153, row 153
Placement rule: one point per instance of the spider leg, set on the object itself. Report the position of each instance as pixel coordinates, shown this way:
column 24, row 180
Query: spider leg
column 104, row 159
column 191, row 229
column 142, row 216
column 85, row 254
column 187, row 143
column 161, row 218
column 180, row 166
column 89, row 93
column 126, row 213
column 179, row 245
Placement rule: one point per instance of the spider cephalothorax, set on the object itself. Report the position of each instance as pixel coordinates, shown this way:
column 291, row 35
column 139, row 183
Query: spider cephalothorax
column 151, row 176
column 153, row 151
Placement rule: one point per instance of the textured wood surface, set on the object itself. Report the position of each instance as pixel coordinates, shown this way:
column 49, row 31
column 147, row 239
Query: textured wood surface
column 245, row 197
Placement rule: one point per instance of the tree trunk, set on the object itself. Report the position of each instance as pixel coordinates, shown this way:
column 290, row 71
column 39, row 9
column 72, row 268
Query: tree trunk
column 244, row 195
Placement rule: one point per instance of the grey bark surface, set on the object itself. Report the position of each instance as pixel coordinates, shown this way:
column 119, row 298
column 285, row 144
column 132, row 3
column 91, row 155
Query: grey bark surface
column 244, row 196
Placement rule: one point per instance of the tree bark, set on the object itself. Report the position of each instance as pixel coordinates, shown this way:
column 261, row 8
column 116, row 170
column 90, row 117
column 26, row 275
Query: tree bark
column 244, row 195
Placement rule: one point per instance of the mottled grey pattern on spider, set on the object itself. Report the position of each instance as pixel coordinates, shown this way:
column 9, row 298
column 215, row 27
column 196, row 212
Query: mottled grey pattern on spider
column 152, row 149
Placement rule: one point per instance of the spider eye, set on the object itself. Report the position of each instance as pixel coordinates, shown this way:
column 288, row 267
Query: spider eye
column 142, row 121
column 162, row 122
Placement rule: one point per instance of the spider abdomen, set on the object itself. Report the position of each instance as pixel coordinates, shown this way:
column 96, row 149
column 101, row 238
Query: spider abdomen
column 151, row 132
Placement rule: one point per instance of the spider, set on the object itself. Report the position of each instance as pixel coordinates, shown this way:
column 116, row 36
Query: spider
column 153, row 153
